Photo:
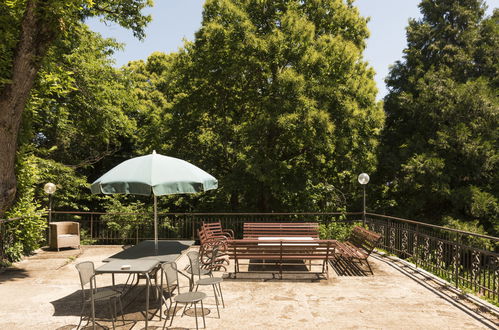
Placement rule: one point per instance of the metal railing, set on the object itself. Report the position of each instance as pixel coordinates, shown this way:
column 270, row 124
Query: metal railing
column 125, row 228
column 469, row 261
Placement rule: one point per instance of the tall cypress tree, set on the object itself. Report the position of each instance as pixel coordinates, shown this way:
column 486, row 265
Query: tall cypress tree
column 275, row 99
column 440, row 145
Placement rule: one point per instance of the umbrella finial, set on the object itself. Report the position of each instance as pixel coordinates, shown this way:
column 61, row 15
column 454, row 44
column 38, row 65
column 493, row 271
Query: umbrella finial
column 154, row 152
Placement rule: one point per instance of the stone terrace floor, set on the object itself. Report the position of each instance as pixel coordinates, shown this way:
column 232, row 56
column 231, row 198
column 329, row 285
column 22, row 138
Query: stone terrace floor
column 42, row 292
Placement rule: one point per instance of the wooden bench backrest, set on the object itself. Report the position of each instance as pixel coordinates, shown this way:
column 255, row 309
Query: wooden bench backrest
column 364, row 239
column 282, row 250
column 273, row 229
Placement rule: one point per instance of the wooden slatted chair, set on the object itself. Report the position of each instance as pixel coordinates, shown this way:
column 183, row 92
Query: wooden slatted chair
column 214, row 229
column 208, row 243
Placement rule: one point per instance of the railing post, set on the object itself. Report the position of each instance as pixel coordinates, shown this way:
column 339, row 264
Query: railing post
column 91, row 226
column 416, row 250
column 1, row 241
column 192, row 226
column 457, row 260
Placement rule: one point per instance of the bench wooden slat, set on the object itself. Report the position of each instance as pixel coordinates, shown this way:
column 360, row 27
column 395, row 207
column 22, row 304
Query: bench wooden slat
column 291, row 229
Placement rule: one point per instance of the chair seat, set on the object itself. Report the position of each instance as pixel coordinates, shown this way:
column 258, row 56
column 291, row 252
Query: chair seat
column 190, row 297
column 209, row 281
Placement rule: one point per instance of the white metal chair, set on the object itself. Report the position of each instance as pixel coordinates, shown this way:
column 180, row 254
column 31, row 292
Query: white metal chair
column 171, row 273
column 195, row 269
column 87, row 274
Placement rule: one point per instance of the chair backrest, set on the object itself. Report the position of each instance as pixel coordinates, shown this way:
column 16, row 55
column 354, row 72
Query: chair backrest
column 203, row 236
column 66, row 227
column 86, row 270
column 213, row 228
column 194, row 262
column 171, row 274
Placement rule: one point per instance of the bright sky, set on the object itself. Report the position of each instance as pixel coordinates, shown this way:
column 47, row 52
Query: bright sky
column 175, row 20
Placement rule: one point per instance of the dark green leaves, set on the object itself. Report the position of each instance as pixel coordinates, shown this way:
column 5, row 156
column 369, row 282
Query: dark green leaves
column 441, row 139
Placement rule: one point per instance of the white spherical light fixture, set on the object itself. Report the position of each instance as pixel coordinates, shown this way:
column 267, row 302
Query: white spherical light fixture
column 363, row 178
column 49, row 188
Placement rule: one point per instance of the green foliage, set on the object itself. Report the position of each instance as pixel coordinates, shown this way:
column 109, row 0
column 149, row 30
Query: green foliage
column 29, row 29
column 23, row 236
column 336, row 230
column 439, row 154
column 61, row 20
column 272, row 98
column 72, row 188
column 471, row 227
column 125, row 217
column 79, row 109
column 85, row 238
column 10, row 16
column 79, row 113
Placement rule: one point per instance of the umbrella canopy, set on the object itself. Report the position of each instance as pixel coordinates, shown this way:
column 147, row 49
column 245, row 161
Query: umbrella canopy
column 154, row 174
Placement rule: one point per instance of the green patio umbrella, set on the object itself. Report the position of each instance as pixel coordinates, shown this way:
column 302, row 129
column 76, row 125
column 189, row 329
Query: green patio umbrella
column 154, row 174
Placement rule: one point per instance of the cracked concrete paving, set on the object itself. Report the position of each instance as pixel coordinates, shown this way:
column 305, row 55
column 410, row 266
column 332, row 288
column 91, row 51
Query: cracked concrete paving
column 42, row 292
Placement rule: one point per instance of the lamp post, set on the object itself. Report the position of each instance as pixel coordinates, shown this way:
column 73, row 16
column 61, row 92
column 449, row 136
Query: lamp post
column 49, row 189
column 363, row 180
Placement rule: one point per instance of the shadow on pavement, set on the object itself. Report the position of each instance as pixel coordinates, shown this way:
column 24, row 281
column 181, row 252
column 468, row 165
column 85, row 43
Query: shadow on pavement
column 12, row 274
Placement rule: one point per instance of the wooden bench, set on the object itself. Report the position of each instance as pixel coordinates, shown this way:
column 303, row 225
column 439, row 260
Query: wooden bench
column 359, row 245
column 254, row 230
column 279, row 253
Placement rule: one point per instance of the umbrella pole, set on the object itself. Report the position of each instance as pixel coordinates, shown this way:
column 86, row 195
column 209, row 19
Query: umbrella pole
column 155, row 224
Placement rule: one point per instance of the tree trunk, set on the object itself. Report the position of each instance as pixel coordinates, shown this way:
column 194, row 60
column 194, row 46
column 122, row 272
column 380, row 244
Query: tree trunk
column 35, row 38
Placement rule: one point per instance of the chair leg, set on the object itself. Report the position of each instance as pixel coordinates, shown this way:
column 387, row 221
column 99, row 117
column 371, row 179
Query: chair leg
column 121, row 309
column 216, row 299
column 169, row 307
column 202, row 308
column 168, row 314
column 173, row 314
column 81, row 314
column 185, row 308
column 196, row 314
column 221, row 295
column 93, row 313
column 111, row 310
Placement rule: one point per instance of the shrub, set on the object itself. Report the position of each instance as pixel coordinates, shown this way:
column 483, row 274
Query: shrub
column 25, row 235
column 335, row 230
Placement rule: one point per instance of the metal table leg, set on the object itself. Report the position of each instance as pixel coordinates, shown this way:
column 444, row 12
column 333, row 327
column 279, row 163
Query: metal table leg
column 147, row 298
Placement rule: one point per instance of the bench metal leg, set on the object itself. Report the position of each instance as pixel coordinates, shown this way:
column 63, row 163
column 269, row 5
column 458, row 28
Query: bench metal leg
column 368, row 265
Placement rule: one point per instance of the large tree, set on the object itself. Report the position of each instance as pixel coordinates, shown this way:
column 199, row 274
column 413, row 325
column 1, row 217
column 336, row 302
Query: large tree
column 80, row 110
column 29, row 28
column 275, row 99
column 440, row 146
